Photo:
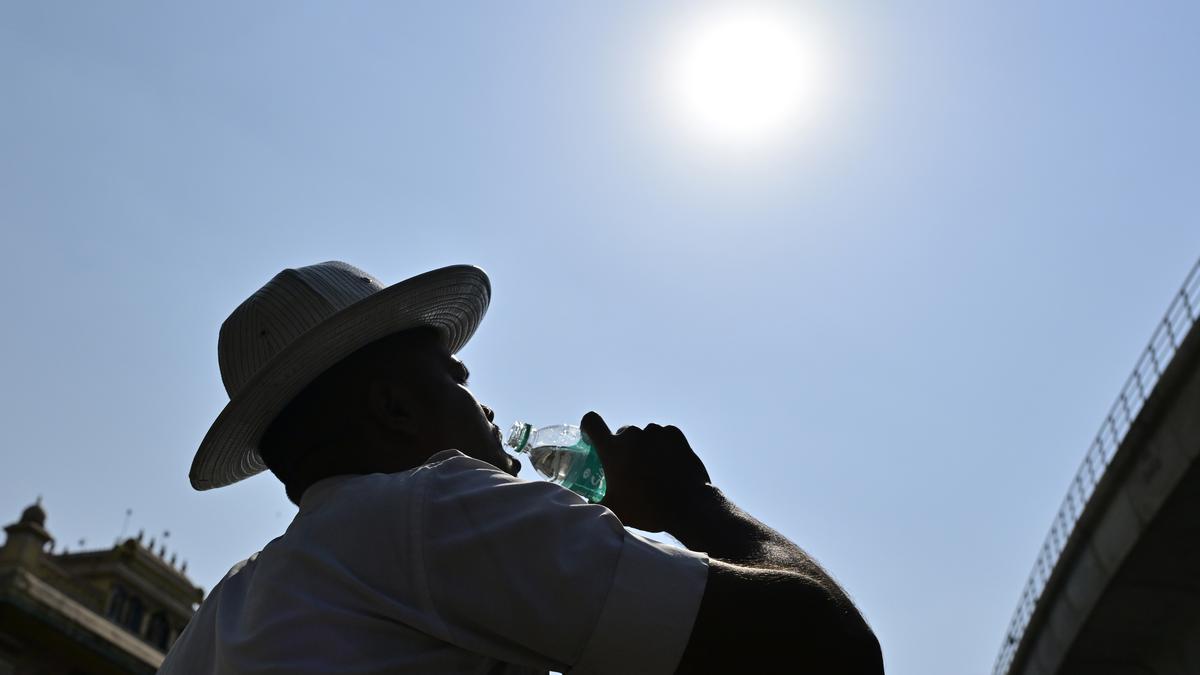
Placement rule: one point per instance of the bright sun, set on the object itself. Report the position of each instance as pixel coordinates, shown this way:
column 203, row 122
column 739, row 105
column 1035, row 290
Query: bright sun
column 745, row 76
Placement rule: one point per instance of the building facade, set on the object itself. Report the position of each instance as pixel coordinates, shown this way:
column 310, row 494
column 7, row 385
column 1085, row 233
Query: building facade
column 96, row 612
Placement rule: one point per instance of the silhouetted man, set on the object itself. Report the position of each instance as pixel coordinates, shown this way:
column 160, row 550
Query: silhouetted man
column 416, row 549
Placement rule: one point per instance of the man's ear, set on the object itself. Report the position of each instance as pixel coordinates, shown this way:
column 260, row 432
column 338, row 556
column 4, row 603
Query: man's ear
column 392, row 406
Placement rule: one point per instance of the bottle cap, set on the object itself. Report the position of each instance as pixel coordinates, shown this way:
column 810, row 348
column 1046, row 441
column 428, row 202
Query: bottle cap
column 518, row 436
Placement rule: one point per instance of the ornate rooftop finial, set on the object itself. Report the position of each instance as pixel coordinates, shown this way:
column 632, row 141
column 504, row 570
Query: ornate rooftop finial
column 34, row 514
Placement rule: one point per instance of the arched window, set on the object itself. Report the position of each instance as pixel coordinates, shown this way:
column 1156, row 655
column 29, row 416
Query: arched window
column 116, row 604
column 158, row 630
column 133, row 615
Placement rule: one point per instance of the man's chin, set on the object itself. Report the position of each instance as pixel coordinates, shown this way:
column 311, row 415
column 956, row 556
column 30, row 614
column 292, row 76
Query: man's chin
column 499, row 459
column 514, row 465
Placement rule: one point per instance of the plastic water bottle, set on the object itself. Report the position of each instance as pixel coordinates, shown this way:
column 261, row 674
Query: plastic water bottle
column 563, row 456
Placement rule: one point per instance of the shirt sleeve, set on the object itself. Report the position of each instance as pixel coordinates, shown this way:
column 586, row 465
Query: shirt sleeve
column 530, row 573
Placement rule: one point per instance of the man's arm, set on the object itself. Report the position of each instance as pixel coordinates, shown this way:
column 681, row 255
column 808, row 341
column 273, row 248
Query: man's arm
column 767, row 605
column 708, row 521
column 773, row 621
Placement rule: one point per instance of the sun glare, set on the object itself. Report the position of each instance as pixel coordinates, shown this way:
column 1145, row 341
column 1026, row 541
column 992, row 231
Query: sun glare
column 744, row 76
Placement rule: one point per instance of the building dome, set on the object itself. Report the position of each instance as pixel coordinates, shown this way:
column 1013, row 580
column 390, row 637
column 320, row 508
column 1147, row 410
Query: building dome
column 34, row 514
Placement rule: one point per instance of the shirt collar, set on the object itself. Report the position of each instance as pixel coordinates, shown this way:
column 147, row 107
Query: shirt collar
column 318, row 491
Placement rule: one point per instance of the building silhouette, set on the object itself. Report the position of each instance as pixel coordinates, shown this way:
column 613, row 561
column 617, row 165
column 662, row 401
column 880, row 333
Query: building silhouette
column 94, row 612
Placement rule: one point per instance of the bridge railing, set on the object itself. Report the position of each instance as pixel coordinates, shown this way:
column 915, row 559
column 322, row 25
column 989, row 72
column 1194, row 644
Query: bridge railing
column 1168, row 336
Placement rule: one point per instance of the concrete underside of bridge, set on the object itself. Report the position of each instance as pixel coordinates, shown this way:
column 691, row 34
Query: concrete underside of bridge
column 1125, row 596
column 1148, row 620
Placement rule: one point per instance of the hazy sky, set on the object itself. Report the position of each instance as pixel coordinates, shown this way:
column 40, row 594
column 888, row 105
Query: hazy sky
column 891, row 332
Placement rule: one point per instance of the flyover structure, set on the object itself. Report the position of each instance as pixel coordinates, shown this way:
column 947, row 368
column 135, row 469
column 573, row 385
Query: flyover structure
column 1115, row 589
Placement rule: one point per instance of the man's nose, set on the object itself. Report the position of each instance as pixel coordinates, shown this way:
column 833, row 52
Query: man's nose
column 491, row 414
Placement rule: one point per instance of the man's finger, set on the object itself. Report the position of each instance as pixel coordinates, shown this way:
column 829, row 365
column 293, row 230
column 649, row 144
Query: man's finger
column 595, row 428
column 674, row 433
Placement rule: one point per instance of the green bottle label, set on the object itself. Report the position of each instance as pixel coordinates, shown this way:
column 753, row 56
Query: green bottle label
column 588, row 480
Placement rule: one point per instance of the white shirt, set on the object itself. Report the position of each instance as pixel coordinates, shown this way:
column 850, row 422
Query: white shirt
column 451, row 567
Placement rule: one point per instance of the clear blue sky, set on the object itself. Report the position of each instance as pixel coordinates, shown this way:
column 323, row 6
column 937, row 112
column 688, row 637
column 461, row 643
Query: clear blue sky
column 892, row 339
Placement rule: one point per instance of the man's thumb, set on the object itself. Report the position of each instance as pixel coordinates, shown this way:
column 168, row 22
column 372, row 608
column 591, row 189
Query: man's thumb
column 595, row 428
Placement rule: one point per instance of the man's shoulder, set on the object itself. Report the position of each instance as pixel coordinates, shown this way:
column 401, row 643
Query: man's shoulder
column 455, row 466
column 445, row 468
column 454, row 459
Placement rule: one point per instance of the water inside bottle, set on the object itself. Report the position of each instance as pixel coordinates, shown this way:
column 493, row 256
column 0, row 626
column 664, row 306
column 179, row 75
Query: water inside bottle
column 575, row 468
column 553, row 462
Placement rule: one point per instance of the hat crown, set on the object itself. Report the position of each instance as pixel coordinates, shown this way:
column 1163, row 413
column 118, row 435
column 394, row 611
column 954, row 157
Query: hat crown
column 281, row 311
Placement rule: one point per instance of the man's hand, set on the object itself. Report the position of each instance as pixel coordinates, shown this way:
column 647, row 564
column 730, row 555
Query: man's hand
column 651, row 473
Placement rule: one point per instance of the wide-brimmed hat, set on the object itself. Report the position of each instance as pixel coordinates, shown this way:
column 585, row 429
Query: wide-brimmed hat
column 302, row 322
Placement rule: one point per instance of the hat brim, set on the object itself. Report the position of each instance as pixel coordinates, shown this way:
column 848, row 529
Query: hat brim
column 452, row 300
